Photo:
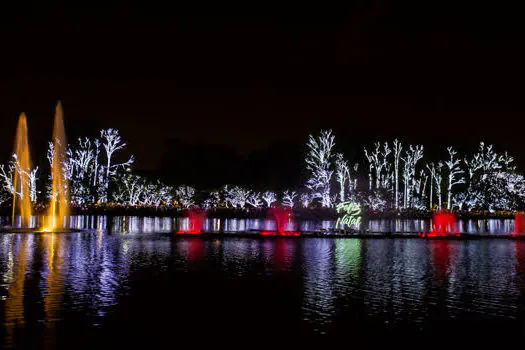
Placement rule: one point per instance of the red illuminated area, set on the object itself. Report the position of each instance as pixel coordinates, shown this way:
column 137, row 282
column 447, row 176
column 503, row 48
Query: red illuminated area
column 196, row 218
column 285, row 233
column 519, row 223
column 442, row 251
column 281, row 216
column 445, row 224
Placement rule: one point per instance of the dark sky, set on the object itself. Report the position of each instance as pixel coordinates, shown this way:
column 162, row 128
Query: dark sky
column 432, row 74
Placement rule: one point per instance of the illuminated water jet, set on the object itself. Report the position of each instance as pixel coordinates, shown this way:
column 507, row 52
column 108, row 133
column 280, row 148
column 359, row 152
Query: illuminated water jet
column 21, row 183
column 196, row 218
column 58, row 210
column 519, row 225
column 281, row 216
column 444, row 224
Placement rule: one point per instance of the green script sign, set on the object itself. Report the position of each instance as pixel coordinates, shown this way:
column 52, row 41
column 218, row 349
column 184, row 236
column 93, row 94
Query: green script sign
column 351, row 214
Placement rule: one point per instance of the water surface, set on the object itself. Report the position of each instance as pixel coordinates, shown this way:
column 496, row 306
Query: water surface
column 136, row 283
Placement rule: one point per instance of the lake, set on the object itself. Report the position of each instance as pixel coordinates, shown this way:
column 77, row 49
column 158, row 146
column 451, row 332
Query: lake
column 132, row 282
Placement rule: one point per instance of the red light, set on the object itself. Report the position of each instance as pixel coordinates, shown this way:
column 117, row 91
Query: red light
column 188, row 232
column 281, row 216
column 196, row 218
column 444, row 224
column 285, row 233
column 519, row 222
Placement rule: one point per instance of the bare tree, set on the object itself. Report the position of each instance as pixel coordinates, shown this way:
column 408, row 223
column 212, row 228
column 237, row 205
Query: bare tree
column 342, row 172
column 410, row 160
column 254, row 199
column 269, row 197
column 185, row 195
column 454, row 172
column 436, row 177
column 319, row 163
column 112, row 142
column 289, row 198
column 397, row 155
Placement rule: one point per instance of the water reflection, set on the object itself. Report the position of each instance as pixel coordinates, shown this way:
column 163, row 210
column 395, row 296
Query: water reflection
column 87, row 278
column 55, row 277
column 135, row 225
column 18, row 250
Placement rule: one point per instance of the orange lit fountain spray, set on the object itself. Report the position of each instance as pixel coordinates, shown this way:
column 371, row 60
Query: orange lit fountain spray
column 59, row 206
column 21, row 197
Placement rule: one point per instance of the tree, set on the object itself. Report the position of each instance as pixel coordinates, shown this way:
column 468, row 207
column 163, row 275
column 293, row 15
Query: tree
column 436, row 178
column 112, row 142
column 342, row 174
column 213, row 200
column 269, row 197
column 254, row 199
column 236, row 196
column 397, row 155
column 130, row 189
column 412, row 156
column 6, row 174
column 379, row 160
column 289, row 198
column 319, row 164
column 185, row 195
column 305, row 199
column 453, row 174
column 27, row 178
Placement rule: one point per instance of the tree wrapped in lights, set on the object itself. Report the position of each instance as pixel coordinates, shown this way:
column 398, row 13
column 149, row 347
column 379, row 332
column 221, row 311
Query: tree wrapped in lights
column 319, row 165
column 213, row 200
column 185, row 196
column 410, row 159
column 436, row 178
column 112, row 142
column 342, row 175
column 156, row 194
column 397, row 149
column 305, row 199
column 254, row 200
column 26, row 177
column 378, row 160
column 454, row 172
column 492, row 182
column 289, row 198
column 269, row 197
column 236, row 196
column 130, row 190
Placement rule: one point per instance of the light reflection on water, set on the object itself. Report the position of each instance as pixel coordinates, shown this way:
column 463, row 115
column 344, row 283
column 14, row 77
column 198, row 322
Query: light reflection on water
column 135, row 224
column 49, row 279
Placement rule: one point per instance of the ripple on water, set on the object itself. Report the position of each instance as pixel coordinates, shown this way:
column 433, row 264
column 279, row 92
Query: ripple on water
column 318, row 285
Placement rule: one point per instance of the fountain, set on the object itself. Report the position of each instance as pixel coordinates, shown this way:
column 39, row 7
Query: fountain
column 196, row 218
column 281, row 216
column 445, row 224
column 58, row 210
column 21, row 196
column 519, row 225
column 56, row 217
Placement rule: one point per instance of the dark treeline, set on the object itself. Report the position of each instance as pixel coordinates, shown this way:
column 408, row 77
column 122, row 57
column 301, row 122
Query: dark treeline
column 210, row 166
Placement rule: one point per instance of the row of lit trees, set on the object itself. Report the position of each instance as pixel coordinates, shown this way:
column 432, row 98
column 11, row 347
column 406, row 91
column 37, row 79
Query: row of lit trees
column 398, row 178
column 394, row 176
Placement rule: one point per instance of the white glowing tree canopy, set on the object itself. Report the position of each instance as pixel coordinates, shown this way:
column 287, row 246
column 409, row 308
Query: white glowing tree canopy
column 319, row 164
column 394, row 177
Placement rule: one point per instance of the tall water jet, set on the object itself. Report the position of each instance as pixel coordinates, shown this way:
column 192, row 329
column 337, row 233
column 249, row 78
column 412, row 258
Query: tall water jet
column 196, row 218
column 21, row 183
column 445, row 224
column 282, row 216
column 59, row 205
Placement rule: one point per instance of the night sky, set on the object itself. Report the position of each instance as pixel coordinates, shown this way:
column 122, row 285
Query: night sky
column 374, row 70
